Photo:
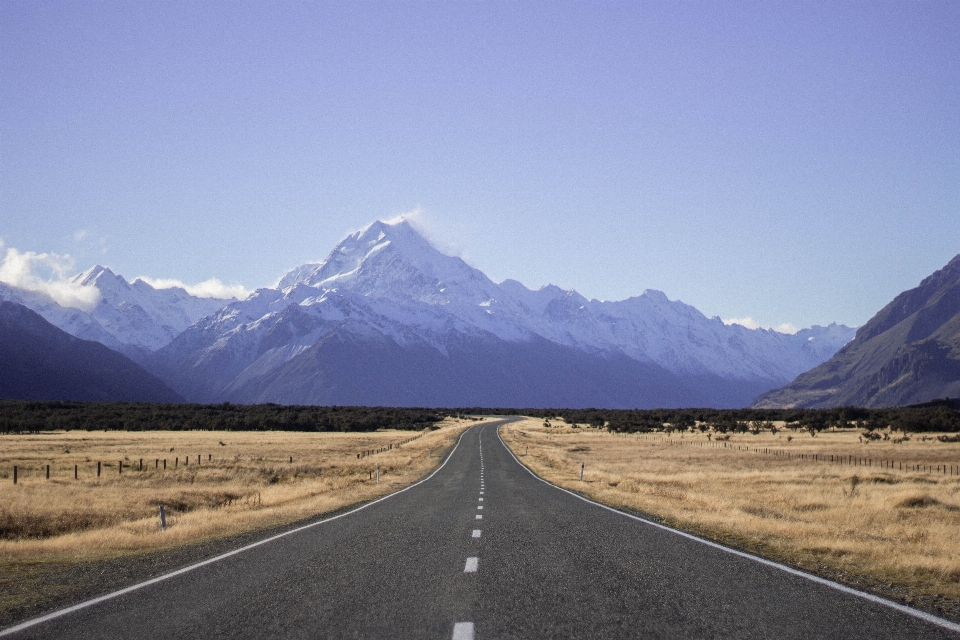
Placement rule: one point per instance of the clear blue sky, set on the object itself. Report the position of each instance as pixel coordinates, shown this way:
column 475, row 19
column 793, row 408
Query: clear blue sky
column 789, row 161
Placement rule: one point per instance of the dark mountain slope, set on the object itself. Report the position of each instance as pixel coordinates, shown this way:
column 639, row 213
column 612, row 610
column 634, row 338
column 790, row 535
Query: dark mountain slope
column 908, row 353
column 347, row 368
column 38, row 361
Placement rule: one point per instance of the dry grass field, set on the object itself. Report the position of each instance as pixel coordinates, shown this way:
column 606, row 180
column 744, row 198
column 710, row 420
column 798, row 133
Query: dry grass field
column 892, row 531
column 244, row 481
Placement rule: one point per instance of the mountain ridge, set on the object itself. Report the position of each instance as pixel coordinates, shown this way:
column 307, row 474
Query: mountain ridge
column 908, row 353
column 39, row 361
column 385, row 284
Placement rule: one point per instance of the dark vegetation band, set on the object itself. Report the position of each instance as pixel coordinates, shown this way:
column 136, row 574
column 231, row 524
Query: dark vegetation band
column 32, row 416
column 938, row 415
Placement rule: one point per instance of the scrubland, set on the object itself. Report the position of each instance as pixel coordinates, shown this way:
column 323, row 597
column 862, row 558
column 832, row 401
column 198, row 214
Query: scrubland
column 892, row 531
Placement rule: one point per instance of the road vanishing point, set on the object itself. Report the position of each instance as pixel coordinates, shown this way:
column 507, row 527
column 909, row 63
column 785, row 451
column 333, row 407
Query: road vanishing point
column 482, row 549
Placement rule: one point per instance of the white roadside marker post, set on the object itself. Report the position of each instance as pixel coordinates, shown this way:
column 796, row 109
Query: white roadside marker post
column 581, row 471
column 378, row 473
column 163, row 519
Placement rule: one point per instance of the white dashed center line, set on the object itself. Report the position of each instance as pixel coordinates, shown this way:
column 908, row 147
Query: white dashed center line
column 480, row 508
column 476, row 533
column 463, row 631
column 481, row 499
column 479, row 517
column 471, row 566
column 481, row 493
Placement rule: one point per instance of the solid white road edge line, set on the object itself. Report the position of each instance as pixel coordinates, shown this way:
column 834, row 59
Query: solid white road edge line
column 463, row 631
column 115, row 594
column 902, row 608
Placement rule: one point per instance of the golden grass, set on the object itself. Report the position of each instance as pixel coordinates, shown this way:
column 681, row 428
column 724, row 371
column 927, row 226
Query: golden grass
column 887, row 529
column 248, row 483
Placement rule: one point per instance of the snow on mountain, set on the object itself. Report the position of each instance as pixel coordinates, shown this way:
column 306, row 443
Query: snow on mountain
column 138, row 314
column 386, row 282
column 134, row 318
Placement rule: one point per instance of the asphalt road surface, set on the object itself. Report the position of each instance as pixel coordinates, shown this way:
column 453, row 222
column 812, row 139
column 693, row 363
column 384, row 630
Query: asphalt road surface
column 483, row 549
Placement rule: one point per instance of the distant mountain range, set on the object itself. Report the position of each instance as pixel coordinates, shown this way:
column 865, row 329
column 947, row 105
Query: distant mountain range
column 387, row 319
column 132, row 318
column 38, row 361
column 908, row 353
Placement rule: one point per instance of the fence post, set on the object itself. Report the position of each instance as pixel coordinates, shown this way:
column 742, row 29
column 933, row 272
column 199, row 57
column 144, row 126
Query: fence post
column 75, row 470
column 48, row 472
column 98, row 468
column 14, row 474
column 141, row 464
column 120, row 467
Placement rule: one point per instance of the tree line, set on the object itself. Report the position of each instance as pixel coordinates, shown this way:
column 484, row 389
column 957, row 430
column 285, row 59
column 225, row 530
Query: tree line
column 938, row 415
column 34, row 416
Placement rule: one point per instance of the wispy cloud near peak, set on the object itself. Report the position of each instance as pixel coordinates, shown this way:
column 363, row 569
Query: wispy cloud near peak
column 46, row 273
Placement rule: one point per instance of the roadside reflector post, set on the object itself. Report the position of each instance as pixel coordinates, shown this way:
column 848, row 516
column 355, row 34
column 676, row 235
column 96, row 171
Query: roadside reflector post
column 528, row 451
column 582, row 464
column 163, row 519
column 378, row 473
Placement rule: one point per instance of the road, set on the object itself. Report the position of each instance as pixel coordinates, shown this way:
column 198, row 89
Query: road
column 483, row 549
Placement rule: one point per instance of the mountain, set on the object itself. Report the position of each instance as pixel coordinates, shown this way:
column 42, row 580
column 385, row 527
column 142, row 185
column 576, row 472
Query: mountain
column 387, row 319
column 38, row 361
column 908, row 353
column 133, row 318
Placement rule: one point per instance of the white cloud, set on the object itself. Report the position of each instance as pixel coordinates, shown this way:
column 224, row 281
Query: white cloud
column 747, row 322
column 46, row 273
column 211, row 288
column 80, row 234
column 750, row 323
column 786, row 327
